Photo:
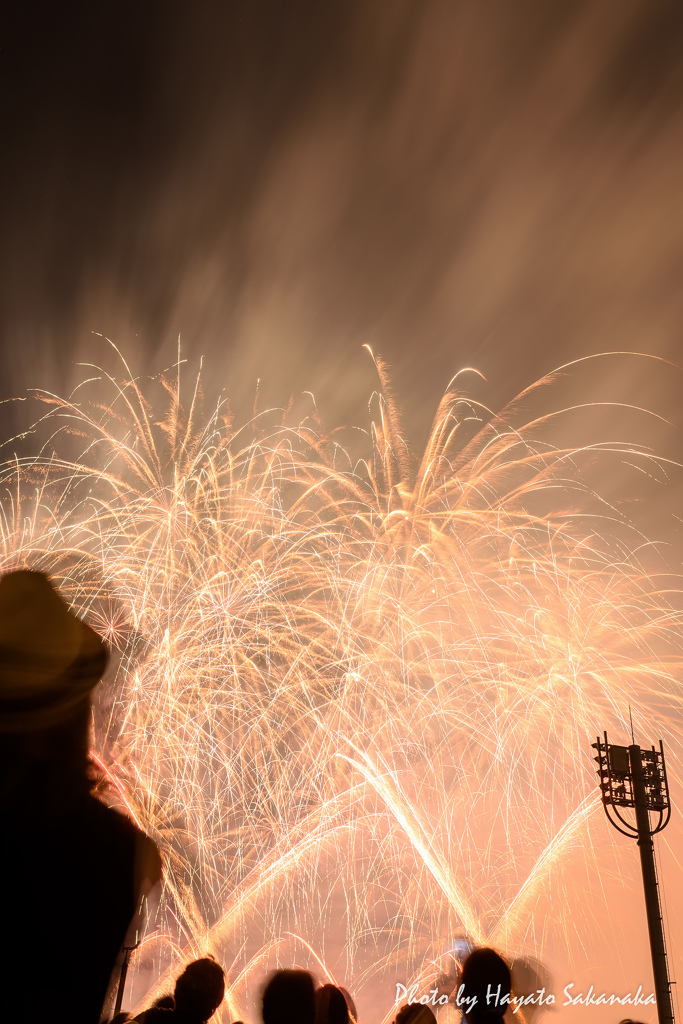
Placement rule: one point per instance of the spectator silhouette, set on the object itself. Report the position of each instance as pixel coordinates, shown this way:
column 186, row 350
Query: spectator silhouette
column 485, row 987
column 330, row 1006
column 73, row 870
column 289, row 998
column 353, row 1013
column 165, row 1002
column 529, row 977
column 199, row 991
column 415, row 1013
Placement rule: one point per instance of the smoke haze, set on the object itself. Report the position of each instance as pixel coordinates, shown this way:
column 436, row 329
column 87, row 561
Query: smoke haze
column 454, row 183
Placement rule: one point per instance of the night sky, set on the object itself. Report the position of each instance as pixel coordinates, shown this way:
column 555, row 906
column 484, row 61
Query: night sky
column 453, row 182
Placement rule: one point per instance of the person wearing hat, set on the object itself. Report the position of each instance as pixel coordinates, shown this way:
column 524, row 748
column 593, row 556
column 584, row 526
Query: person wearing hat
column 72, row 871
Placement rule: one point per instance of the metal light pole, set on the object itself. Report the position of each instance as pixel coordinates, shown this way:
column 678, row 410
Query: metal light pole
column 137, row 926
column 127, row 952
column 635, row 778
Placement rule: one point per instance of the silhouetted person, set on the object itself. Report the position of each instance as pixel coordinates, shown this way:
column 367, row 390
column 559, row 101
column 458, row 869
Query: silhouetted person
column 415, row 1013
column 486, row 983
column 353, row 1013
column 289, row 998
column 529, row 977
column 330, row 1006
column 165, row 1002
column 72, row 870
column 198, row 993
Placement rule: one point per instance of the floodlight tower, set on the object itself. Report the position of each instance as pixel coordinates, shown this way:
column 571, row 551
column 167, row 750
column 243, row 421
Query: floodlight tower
column 631, row 777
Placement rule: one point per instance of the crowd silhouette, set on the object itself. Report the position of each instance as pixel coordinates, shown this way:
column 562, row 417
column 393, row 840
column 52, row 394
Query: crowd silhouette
column 76, row 873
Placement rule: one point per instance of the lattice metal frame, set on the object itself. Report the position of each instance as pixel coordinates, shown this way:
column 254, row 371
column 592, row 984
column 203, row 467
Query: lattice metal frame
column 616, row 784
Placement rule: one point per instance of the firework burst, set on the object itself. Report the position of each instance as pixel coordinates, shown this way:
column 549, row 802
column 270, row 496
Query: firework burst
column 353, row 692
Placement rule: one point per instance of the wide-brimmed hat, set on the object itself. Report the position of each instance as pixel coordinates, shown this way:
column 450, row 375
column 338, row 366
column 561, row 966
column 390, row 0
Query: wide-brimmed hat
column 50, row 659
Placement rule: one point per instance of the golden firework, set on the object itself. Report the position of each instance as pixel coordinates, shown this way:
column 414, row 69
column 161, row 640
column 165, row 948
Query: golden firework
column 354, row 690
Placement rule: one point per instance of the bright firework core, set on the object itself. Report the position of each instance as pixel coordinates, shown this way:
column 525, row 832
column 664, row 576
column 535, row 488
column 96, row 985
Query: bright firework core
column 356, row 690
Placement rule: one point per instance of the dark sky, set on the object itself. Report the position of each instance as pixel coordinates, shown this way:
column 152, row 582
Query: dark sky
column 455, row 182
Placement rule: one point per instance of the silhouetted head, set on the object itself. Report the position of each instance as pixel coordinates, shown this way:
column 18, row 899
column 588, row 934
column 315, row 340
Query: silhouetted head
column 330, row 1006
column 50, row 659
column 530, row 976
column 165, row 1002
column 353, row 1013
column 415, row 1013
column 49, row 663
column 200, row 989
column 486, row 978
column 289, row 998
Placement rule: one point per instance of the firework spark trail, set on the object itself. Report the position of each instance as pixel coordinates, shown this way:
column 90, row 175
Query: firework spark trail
column 352, row 704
